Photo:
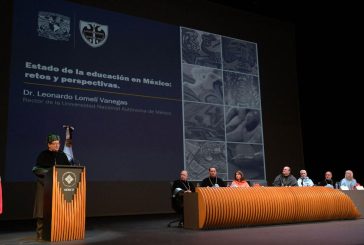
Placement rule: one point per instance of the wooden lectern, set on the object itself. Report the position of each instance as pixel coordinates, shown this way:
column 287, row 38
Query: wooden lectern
column 65, row 203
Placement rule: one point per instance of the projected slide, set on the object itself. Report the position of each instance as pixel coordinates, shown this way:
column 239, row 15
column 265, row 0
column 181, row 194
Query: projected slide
column 146, row 99
column 115, row 78
column 222, row 114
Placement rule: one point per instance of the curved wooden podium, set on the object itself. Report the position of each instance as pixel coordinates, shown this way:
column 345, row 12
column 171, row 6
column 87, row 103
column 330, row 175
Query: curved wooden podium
column 234, row 207
column 65, row 203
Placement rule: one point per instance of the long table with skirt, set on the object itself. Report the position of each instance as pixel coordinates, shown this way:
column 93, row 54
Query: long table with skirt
column 213, row 208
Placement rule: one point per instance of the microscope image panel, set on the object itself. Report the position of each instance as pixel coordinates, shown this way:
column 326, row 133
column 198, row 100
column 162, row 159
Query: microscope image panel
column 201, row 48
column 202, row 84
column 204, row 121
column 247, row 158
column 201, row 155
column 239, row 56
column 241, row 90
column 243, row 125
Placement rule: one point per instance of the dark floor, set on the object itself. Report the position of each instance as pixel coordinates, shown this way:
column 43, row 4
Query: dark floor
column 152, row 229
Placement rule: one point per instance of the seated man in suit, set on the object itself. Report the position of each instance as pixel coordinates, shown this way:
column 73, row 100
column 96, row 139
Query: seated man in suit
column 179, row 187
column 328, row 181
column 285, row 178
column 213, row 180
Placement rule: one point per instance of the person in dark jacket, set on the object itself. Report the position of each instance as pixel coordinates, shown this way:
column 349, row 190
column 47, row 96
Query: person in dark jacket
column 213, row 180
column 285, row 178
column 45, row 161
column 179, row 188
column 328, row 181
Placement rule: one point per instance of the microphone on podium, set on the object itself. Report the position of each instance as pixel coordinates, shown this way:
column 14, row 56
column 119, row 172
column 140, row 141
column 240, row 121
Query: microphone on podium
column 67, row 149
column 68, row 145
column 73, row 161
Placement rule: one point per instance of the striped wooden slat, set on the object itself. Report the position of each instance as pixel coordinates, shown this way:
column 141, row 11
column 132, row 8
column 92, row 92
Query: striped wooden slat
column 233, row 207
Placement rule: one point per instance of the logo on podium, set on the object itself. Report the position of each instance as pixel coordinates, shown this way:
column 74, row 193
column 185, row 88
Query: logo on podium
column 69, row 179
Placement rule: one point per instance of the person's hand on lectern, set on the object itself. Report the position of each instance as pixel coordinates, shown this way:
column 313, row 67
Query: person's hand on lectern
column 39, row 172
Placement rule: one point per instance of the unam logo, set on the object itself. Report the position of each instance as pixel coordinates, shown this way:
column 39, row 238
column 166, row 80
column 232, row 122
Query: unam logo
column 54, row 26
column 93, row 34
column 69, row 179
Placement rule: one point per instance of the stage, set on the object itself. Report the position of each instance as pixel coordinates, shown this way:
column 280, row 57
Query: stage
column 152, row 229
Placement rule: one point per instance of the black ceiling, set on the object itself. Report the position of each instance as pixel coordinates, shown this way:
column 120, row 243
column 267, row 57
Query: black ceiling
column 281, row 10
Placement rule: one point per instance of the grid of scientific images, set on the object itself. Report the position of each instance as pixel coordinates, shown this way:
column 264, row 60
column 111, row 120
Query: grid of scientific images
column 221, row 106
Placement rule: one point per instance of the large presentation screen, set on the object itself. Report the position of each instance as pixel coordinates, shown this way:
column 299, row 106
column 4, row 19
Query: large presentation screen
column 146, row 99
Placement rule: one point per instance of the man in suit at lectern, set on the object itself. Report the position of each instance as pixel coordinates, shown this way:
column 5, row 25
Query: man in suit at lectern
column 45, row 161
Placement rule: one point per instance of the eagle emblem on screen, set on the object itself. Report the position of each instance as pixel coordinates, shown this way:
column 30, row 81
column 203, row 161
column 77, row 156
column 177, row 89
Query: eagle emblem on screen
column 54, row 26
column 93, row 34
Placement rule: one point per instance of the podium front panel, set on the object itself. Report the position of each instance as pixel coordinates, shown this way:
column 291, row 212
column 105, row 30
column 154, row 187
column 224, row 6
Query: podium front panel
column 65, row 203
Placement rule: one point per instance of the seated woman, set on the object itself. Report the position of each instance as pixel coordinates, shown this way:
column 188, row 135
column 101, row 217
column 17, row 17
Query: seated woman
column 239, row 180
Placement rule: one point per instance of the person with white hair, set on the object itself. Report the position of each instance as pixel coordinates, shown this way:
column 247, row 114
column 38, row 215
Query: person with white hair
column 348, row 180
column 304, row 180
